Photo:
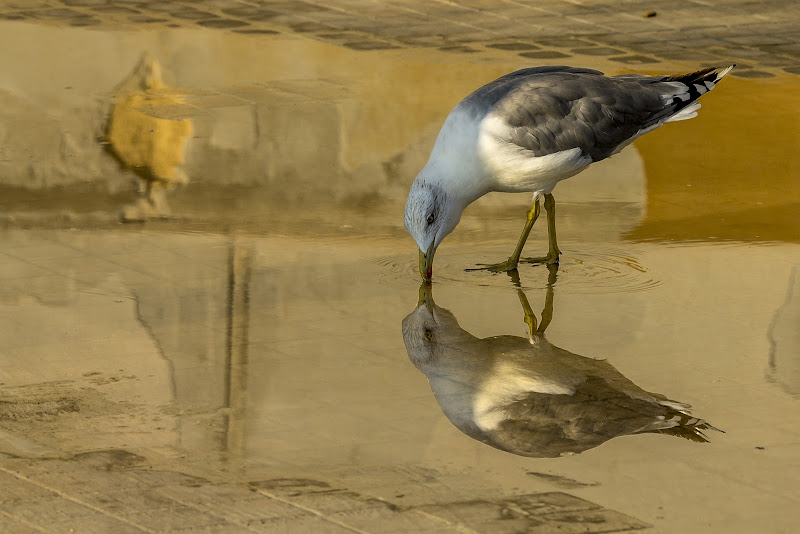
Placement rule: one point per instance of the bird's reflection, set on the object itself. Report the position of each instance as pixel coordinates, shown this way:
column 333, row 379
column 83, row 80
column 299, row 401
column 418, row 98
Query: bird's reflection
column 527, row 396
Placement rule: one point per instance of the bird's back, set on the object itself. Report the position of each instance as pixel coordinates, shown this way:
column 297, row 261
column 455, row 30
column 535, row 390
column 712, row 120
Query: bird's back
column 539, row 126
column 551, row 109
column 482, row 100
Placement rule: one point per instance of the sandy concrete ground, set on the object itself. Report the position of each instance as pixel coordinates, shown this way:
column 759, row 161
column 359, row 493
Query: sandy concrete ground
column 189, row 382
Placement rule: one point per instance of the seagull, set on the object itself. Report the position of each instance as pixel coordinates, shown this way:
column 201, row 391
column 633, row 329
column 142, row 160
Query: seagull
column 528, row 397
column 530, row 129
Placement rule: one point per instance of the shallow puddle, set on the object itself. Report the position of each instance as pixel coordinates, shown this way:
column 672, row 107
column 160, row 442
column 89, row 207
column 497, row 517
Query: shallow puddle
column 250, row 321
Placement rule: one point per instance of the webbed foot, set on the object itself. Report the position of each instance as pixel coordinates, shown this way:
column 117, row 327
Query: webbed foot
column 502, row 267
column 550, row 259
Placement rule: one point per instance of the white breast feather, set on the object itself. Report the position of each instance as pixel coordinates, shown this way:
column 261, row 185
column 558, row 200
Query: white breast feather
column 515, row 169
column 508, row 384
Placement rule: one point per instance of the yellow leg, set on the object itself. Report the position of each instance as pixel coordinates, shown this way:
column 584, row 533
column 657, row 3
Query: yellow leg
column 530, row 318
column 535, row 330
column 553, row 250
column 511, row 263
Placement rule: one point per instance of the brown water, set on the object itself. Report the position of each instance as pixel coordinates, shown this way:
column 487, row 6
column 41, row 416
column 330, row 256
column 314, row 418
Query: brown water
column 254, row 329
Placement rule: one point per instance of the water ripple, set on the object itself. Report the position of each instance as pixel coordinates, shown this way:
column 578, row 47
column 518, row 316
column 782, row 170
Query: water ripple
column 589, row 270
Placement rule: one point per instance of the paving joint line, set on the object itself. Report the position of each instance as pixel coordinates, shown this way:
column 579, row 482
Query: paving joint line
column 75, row 500
column 312, row 511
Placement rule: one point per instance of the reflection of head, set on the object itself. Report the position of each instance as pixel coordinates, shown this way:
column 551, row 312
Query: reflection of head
column 532, row 399
column 430, row 331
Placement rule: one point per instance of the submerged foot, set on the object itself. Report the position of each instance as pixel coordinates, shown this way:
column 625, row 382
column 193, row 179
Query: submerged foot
column 550, row 259
column 502, row 267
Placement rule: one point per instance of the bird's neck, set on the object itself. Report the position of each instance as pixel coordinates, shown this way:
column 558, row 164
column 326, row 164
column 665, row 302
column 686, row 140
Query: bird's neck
column 454, row 160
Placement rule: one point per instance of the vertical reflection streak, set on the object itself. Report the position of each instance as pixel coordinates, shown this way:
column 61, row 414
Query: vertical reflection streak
column 240, row 262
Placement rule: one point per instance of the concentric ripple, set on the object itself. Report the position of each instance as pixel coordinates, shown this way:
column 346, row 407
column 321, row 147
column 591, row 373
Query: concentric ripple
column 588, row 269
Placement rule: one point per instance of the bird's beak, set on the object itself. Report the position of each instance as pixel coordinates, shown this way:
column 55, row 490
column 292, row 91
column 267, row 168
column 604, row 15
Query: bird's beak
column 426, row 296
column 426, row 263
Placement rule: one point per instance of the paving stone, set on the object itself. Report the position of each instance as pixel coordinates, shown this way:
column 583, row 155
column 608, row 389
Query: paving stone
column 544, row 54
column 300, row 7
column 534, row 513
column 462, row 26
column 752, row 74
column 309, row 26
column 257, row 31
column 222, row 23
column 159, row 6
column 512, row 46
column 14, row 525
column 146, row 19
column 590, row 521
column 633, row 38
column 689, row 55
column 369, row 45
column 460, row 49
column 420, row 41
column 777, row 61
column 635, row 60
column 250, row 13
column 693, row 44
column 569, row 8
column 390, row 521
column 83, row 3
column 84, row 21
column 563, row 42
column 26, row 4
column 115, row 10
column 792, row 49
column 58, row 514
column 759, row 39
column 457, row 26
column 53, row 14
column 192, row 14
column 14, row 489
column 742, row 52
column 598, row 51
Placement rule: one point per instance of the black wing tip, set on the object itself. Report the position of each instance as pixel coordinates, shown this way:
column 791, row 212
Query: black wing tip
column 689, row 432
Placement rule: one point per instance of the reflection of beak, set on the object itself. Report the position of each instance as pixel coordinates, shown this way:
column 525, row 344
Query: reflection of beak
column 426, row 296
column 426, row 262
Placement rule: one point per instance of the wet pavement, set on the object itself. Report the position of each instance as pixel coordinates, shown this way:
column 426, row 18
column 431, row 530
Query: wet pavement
column 212, row 318
column 761, row 36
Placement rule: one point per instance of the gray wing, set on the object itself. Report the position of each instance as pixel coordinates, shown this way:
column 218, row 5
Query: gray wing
column 483, row 99
column 543, row 425
column 554, row 109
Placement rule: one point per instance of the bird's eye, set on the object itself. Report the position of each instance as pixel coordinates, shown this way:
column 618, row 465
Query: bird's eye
column 430, row 218
column 428, row 335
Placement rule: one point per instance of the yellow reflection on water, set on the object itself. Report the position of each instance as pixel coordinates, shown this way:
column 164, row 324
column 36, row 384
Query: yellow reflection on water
column 731, row 173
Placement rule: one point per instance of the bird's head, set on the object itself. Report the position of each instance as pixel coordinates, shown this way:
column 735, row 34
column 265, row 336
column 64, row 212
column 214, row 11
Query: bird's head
column 431, row 213
column 420, row 328
column 429, row 329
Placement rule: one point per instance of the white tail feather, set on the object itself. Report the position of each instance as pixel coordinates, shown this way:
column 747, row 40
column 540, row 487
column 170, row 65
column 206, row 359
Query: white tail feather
column 688, row 112
column 723, row 72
